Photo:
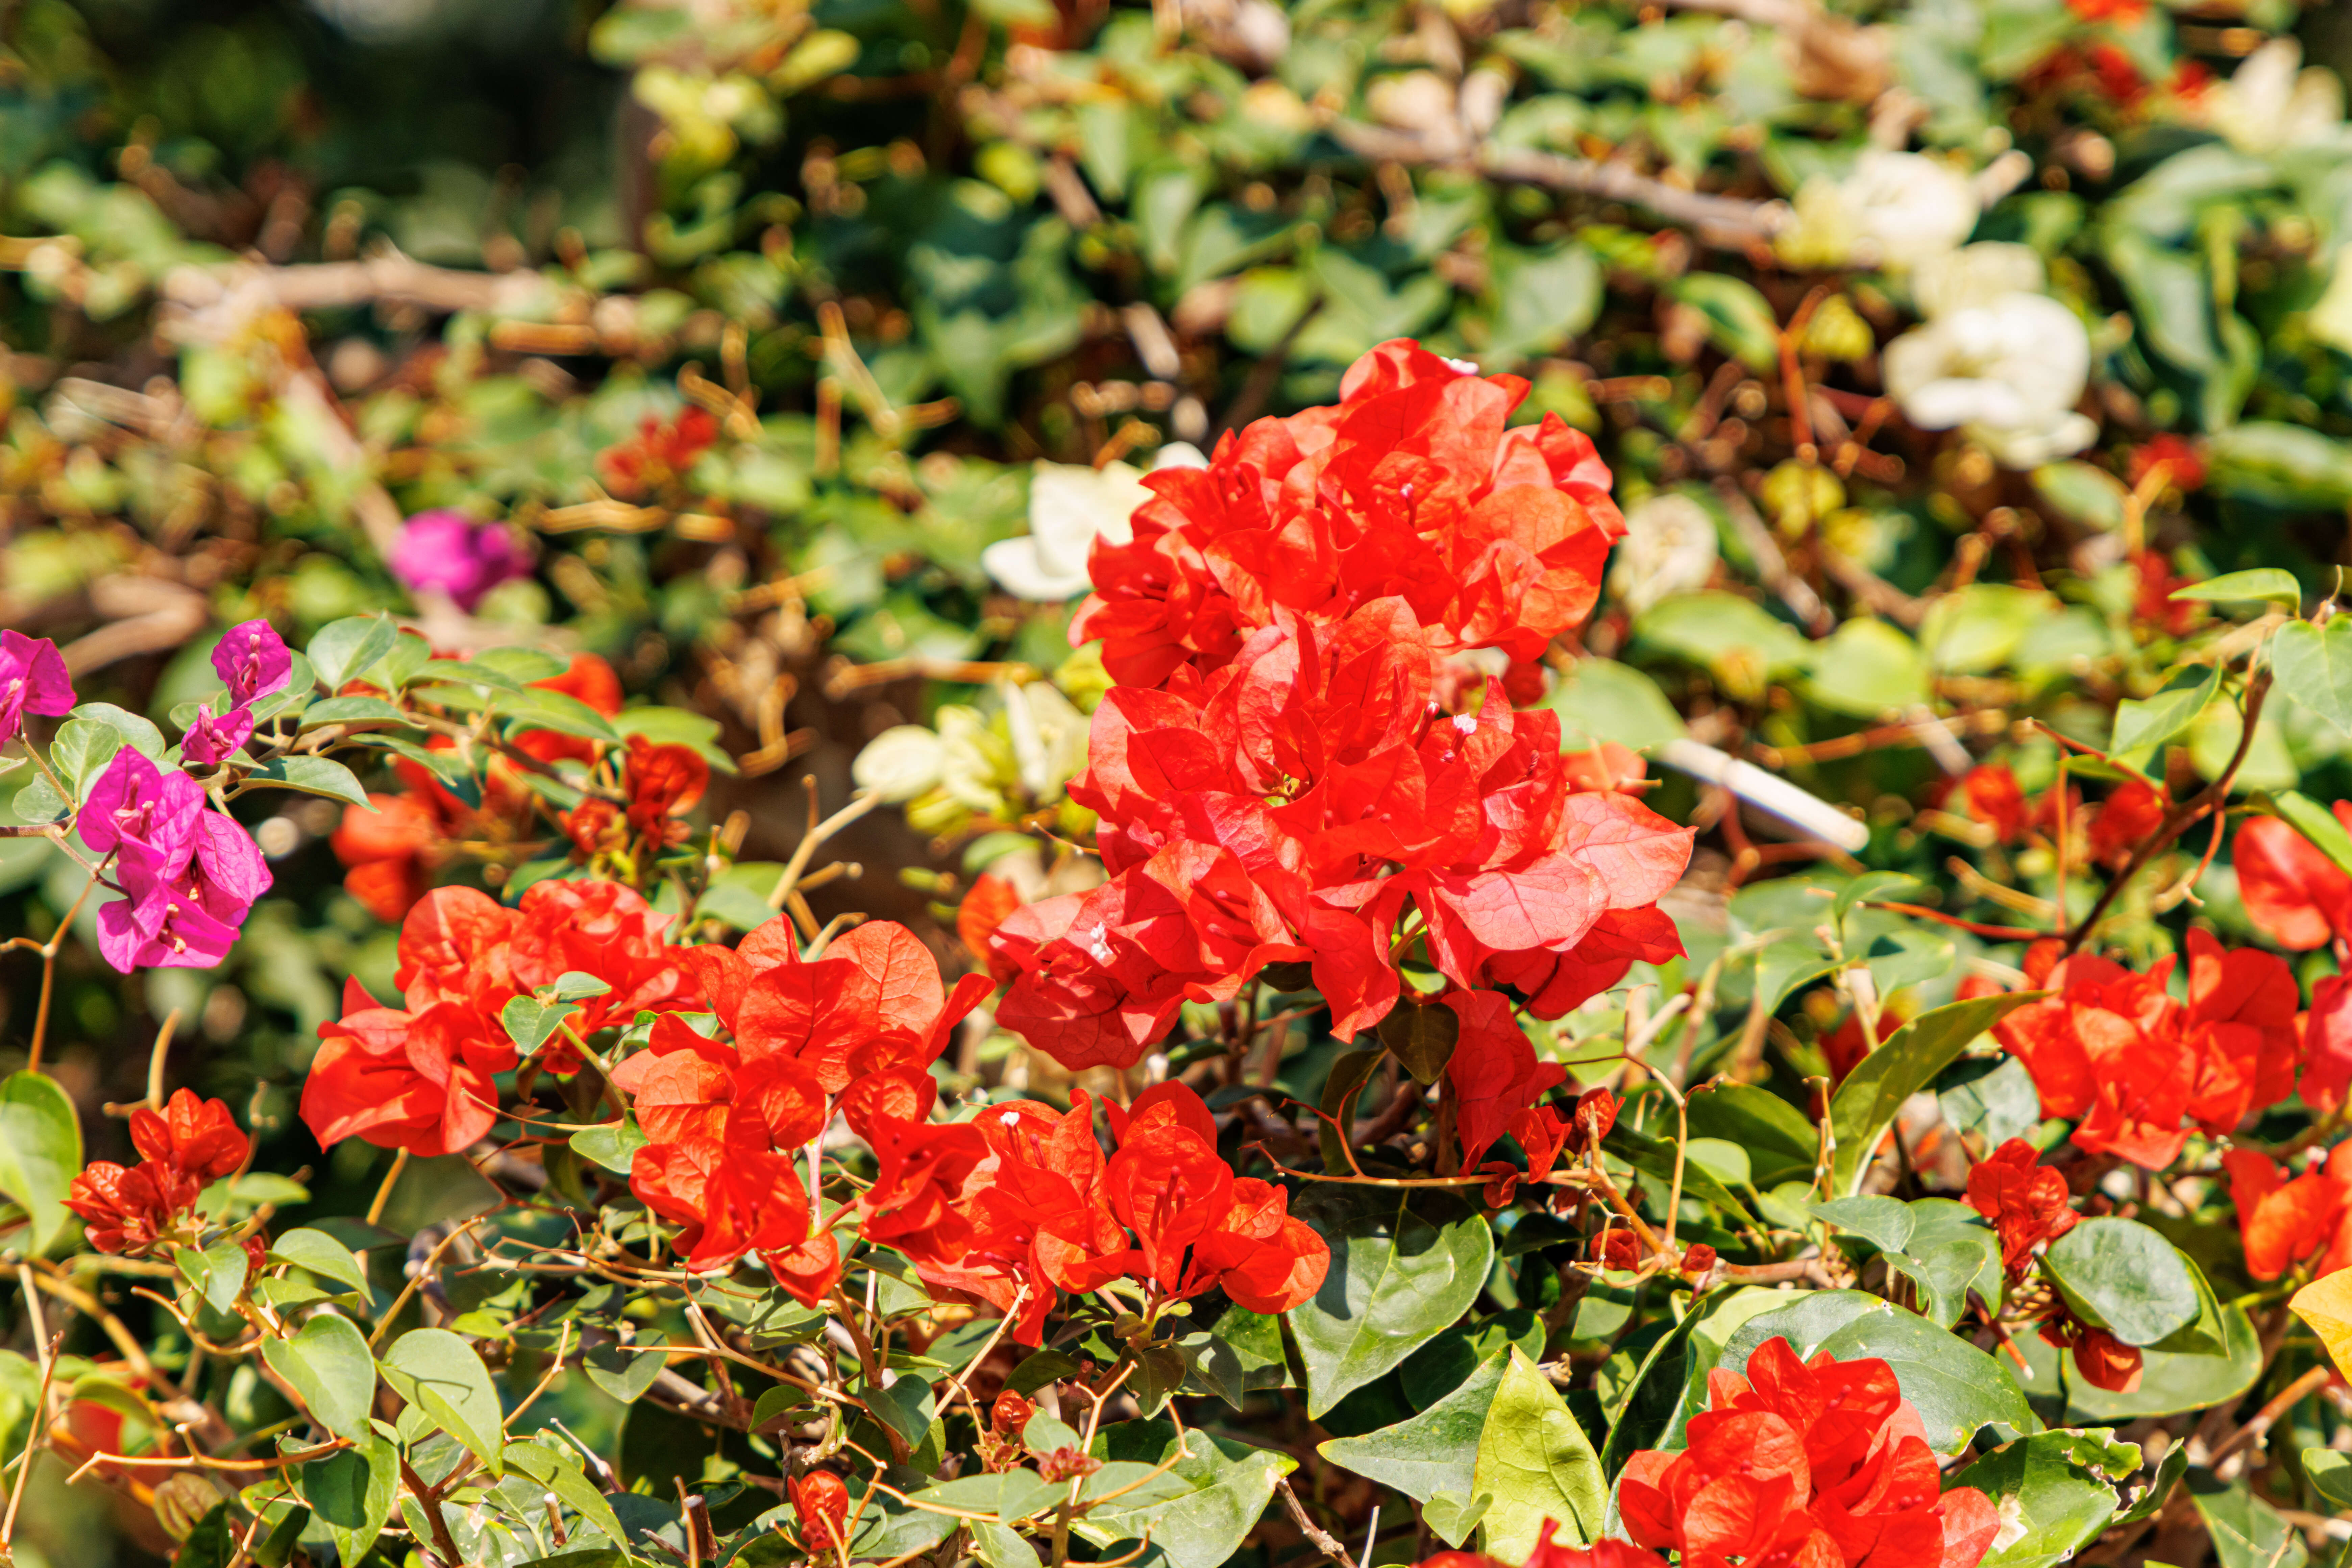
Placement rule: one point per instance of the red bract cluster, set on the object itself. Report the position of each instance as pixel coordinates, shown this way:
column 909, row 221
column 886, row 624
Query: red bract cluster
column 658, row 455
column 188, row 1144
column 420, row 1076
column 1021, row 1202
column 2025, row 1201
column 854, row 1030
column 1552, row 1554
column 1409, row 488
column 1280, row 778
column 391, row 847
column 1806, row 1465
column 2116, row 1051
column 2294, row 893
column 2285, row 1223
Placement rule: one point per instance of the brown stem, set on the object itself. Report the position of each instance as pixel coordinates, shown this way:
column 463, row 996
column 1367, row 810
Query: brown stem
column 2180, row 817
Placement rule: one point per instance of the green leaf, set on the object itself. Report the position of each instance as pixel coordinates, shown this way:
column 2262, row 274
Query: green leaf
column 140, row 735
column 530, row 1025
column 2087, row 494
column 625, row 1374
column 322, row 1255
column 537, row 709
column 329, row 1365
column 2282, row 465
column 313, row 775
column 2330, row 1474
column 2314, row 665
column 888, row 1528
column 1996, row 1105
column 1537, row 1464
column 1976, row 629
column 1939, row 1222
column 2142, row 725
column 1038, row 1369
column 346, row 648
column 1222, row 1487
column 557, row 1471
column 614, row 1145
column 1601, row 699
column 1884, row 1223
column 1780, row 1142
column 1738, row 318
column 351, row 1492
column 352, row 710
column 2272, row 582
column 1401, row 1269
column 1435, row 1451
column 996, row 1545
column 40, row 1151
column 2042, row 1488
column 1957, row 1387
column 2246, row 1531
column 1452, row 1517
column 1013, row 1496
column 1540, row 301
column 1908, row 1062
column 217, row 1272
column 1867, row 668
column 2122, row 1276
column 908, row 1406
column 1654, row 1157
column 81, row 754
column 438, row 1369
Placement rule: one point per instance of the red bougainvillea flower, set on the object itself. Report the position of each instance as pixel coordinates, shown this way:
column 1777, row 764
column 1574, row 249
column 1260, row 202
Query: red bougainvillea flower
column 2294, row 893
column 662, row 783
column 2325, row 1031
column 658, row 455
column 1020, row 1202
column 1849, row 1045
column 188, row 1144
column 424, row 1082
column 821, row 1504
column 2283, row 1223
column 2153, row 604
column 1197, row 1226
column 1493, row 1074
column 1412, row 486
column 1551, row 1552
column 2123, row 12
column 1805, row 1463
column 2026, row 1202
column 1991, row 794
column 2184, row 464
column 1299, row 805
column 2123, row 821
column 2115, row 1051
column 984, row 908
column 2102, row 1359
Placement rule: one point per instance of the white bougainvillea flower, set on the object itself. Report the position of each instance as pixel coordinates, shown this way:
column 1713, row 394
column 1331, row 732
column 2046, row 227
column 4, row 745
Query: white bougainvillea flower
column 1893, row 209
column 1071, row 506
column 900, row 763
column 2274, row 102
column 1997, row 359
column 1669, row 548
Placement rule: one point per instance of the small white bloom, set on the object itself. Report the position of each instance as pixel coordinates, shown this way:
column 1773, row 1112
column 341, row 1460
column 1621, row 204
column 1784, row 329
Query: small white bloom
column 1463, row 367
column 899, row 764
column 1996, row 359
column 1049, row 738
column 1669, row 548
column 1893, row 209
column 1070, row 506
column 2270, row 104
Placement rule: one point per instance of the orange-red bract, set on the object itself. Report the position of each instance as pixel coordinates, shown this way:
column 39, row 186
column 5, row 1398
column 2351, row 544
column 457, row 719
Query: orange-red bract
column 1803, row 1463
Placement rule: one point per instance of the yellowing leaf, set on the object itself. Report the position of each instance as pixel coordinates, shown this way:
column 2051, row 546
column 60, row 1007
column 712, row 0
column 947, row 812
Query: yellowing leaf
column 2326, row 1305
